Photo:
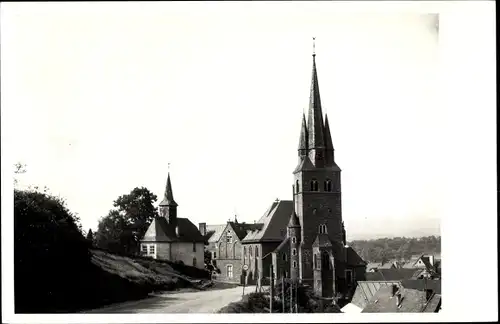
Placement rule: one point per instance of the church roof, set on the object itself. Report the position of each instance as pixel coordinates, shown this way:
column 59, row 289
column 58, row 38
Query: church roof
column 294, row 220
column 161, row 231
column 304, row 165
column 282, row 245
column 353, row 258
column 274, row 223
column 242, row 229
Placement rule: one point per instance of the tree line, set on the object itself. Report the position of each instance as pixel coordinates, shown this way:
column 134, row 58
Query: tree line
column 398, row 248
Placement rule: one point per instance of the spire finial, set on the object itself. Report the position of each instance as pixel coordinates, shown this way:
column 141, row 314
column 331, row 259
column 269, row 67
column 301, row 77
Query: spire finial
column 314, row 46
column 168, row 167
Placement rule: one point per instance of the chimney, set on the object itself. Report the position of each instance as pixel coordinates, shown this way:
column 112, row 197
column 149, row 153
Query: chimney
column 202, row 228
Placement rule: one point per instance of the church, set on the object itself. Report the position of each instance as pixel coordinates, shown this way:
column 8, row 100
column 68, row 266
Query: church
column 305, row 239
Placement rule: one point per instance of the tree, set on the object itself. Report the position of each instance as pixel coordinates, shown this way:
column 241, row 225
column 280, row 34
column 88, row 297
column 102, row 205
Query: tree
column 90, row 236
column 121, row 230
column 50, row 253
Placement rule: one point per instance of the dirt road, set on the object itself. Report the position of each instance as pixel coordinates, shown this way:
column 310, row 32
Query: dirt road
column 209, row 301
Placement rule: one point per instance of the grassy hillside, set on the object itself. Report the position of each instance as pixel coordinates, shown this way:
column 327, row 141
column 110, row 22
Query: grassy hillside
column 57, row 271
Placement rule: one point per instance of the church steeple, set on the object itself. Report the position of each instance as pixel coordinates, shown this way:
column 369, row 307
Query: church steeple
column 168, row 197
column 168, row 206
column 315, row 131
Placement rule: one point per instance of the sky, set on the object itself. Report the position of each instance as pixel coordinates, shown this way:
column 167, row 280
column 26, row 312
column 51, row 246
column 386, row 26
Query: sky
column 100, row 99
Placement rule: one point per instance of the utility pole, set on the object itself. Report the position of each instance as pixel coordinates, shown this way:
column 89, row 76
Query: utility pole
column 283, row 292
column 271, row 289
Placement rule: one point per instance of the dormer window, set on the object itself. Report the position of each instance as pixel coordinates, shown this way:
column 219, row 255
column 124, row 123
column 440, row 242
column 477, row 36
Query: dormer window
column 314, row 185
column 322, row 229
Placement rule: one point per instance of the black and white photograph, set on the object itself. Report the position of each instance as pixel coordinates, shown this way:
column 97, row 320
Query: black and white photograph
column 203, row 161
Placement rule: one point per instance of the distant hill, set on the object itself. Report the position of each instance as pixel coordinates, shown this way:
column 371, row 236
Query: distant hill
column 401, row 248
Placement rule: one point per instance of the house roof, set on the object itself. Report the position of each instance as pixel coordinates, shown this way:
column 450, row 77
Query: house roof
column 391, row 274
column 366, row 289
column 422, row 284
column 161, row 231
column 412, row 301
column 214, row 232
column 351, row 308
column 273, row 223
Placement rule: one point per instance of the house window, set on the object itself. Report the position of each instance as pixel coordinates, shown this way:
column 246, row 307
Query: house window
column 294, row 240
column 348, row 276
column 152, row 249
column 229, row 270
column 297, row 186
column 194, row 262
column 294, row 252
column 194, row 247
column 285, row 257
column 144, row 248
column 322, row 229
column 256, row 251
column 229, row 237
column 214, row 255
column 294, row 264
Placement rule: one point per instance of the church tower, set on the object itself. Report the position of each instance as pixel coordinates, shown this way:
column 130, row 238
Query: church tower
column 168, row 206
column 294, row 233
column 317, row 193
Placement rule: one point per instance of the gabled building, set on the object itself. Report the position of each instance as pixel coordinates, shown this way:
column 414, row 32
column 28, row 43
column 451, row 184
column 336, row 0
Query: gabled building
column 266, row 235
column 226, row 248
column 313, row 249
column 169, row 237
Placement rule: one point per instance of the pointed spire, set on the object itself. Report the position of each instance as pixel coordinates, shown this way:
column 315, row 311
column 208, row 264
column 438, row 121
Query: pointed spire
column 303, row 137
column 328, row 135
column 168, row 198
column 294, row 220
column 315, row 114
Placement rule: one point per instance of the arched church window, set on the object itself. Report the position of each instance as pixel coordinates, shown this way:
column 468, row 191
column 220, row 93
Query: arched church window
column 250, row 250
column 285, row 257
column 294, row 252
column 315, row 260
column 314, row 185
column 294, row 240
column 294, row 264
column 328, row 185
column 297, row 186
column 256, row 251
column 244, row 251
column 322, row 229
